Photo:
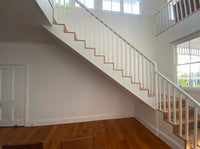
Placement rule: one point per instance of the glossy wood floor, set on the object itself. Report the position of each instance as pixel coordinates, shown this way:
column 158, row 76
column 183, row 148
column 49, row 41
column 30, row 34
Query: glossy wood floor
column 110, row 134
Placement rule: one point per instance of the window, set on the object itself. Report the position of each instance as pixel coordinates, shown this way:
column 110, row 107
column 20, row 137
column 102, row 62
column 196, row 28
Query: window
column 111, row 5
column 87, row 3
column 132, row 6
column 188, row 63
column 62, row 2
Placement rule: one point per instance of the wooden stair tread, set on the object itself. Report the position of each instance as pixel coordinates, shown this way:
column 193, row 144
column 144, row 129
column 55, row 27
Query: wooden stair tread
column 177, row 109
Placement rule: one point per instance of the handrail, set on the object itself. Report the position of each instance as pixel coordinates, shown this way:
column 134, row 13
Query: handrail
column 101, row 21
column 178, row 88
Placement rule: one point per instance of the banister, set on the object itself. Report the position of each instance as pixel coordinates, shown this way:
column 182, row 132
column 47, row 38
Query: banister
column 179, row 89
column 112, row 30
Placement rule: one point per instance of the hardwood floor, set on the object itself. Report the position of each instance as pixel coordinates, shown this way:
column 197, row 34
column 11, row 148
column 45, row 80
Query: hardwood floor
column 110, row 134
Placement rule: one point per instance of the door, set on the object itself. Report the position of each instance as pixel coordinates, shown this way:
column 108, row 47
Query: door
column 12, row 95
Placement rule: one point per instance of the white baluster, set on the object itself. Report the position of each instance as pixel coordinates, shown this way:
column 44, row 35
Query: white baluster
column 152, row 80
column 195, row 5
column 195, row 125
column 126, row 60
column 169, row 104
column 174, row 105
column 138, row 66
column 185, row 8
column 117, row 51
column 130, row 64
column 164, row 97
column 121, row 53
column 190, row 7
column 186, row 119
column 147, row 76
column 156, row 85
column 143, row 72
column 180, row 114
column 177, row 13
column 108, row 45
column 160, row 93
column 180, row 4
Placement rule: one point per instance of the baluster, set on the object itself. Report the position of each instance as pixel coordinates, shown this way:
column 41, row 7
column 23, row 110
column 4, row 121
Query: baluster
column 126, row 60
column 143, row 72
column 108, row 46
column 156, row 85
column 186, row 119
column 167, row 15
column 130, row 64
column 152, row 80
column 103, row 41
column 195, row 126
column 135, row 66
column 111, row 47
column 121, row 58
column 139, row 81
column 185, row 8
column 164, row 97
column 169, row 104
column 159, row 80
column 177, row 13
column 59, row 3
column 190, row 7
column 174, row 105
column 180, row 114
column 180, row 4
column 117, row 51
column 157, row 23
column 163, row 18
column 147, row 76
column 94, row 34
column 195, row 5
column 173, row 11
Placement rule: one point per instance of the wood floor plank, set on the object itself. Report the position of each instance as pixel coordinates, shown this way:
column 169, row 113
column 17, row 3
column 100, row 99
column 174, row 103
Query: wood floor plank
column 110, row 134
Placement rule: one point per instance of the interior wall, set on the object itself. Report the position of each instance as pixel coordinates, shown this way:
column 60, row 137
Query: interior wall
column 62, row 87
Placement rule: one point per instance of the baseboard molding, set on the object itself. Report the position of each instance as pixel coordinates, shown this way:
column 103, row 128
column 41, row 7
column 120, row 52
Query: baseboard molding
column 76, row 119
column 163, row 136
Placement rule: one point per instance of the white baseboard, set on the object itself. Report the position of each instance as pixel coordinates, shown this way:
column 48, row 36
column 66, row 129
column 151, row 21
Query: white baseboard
column 76, row 119
column 163, row 136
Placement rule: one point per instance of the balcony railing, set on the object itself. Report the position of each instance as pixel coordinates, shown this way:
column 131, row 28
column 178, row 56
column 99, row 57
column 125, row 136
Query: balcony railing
column 175, row 11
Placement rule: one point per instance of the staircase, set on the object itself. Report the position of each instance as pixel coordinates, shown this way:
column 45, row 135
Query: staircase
column 93, row 39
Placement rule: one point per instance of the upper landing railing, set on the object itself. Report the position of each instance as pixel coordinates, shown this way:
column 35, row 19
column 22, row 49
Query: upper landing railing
column 175, row 11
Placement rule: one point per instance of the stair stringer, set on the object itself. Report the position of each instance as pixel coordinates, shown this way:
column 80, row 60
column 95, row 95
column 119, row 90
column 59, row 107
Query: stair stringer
column 98, row 61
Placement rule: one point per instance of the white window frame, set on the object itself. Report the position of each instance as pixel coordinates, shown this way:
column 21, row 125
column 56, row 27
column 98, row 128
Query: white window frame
column 176, row 61
column 111, row 7
column 132, row 8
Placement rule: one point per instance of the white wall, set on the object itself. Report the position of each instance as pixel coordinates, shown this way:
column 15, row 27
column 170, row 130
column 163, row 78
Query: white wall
column 62, row 87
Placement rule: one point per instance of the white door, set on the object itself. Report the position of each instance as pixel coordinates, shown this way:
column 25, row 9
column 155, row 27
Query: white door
column 12, row 95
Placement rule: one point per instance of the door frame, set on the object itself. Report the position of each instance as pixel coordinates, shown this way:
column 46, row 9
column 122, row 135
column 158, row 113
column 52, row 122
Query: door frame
column 26, row 92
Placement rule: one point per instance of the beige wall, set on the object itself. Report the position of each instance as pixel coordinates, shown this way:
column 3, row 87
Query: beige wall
column 62, row 87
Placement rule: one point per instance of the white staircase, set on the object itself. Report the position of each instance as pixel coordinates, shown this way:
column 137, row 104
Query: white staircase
column 94, row 40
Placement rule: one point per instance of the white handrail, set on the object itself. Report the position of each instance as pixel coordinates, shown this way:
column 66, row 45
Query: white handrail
column 179, row 89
